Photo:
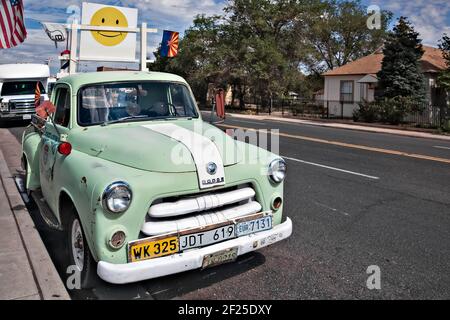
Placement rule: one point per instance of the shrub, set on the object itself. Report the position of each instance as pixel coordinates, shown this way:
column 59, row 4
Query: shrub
column 367, row 111
column 391, row 110
column 395, row 109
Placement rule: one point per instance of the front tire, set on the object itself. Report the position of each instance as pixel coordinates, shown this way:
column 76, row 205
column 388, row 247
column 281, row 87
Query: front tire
column 79, row 258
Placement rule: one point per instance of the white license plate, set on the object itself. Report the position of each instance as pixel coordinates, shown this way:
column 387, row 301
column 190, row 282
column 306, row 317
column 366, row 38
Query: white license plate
column 205, row 238
column 253, row 226
column 26, row 117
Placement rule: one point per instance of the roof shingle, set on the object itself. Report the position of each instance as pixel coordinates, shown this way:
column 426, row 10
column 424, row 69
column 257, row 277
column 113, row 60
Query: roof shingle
column 432, row 61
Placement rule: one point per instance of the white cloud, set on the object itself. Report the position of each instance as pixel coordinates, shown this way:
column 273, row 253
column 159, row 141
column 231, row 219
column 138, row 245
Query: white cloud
column 431, row 18
column 36, row 48
column 174, row 12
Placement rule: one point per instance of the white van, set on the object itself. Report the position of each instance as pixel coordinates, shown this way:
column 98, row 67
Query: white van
column 17, row 89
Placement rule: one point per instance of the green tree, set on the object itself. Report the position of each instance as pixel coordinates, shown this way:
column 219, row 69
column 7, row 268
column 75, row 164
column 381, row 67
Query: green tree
column 444, row 76
column 264, row 48
column 260, row 31
column 198, row 58
column 332, row 33
column 401, row 74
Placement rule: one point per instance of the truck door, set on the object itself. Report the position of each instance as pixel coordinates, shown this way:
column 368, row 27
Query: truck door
column 49, row 156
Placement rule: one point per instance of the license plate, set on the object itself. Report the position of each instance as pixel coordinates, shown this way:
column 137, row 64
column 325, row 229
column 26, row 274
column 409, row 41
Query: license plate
column 26, row 117
column 220, row 257
column 200, row 239
column 152, row 248
column 253, row 226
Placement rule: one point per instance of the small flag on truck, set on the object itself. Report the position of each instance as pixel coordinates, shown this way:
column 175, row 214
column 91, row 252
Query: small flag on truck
column 37, row 95
column 12, row 25
column 169, row 45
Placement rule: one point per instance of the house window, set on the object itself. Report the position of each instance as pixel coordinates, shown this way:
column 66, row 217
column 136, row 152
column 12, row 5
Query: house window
column 364, row 94
column 347, row 89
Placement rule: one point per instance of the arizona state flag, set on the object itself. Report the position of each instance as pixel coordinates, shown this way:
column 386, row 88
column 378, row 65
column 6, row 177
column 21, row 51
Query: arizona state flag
column 169, row 44
column 37, row 95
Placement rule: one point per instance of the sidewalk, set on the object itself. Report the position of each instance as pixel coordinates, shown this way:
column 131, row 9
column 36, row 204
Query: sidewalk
column 26, row 270
column 339, row 125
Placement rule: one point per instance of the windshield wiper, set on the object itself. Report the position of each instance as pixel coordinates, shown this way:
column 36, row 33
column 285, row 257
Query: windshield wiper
column 124, row 119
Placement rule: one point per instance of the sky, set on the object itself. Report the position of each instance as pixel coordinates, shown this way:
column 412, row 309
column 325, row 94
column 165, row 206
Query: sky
column 431, row 19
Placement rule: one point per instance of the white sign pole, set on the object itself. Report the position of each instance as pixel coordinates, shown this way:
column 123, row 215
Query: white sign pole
column 144, row 47
column 73, row 44
column 73, row 48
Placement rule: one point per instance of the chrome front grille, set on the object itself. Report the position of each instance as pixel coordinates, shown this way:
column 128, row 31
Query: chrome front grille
column 200, row 203
column 21, row 106
column 175, row 214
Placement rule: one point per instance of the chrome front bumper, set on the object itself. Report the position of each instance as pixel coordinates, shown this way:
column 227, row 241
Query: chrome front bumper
column 189, row 260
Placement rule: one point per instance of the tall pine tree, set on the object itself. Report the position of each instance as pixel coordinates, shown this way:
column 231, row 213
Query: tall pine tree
column 444, row 77
column 401, row 74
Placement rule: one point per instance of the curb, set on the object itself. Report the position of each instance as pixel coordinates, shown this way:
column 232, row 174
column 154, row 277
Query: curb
column 47, row 278
column 354, row 127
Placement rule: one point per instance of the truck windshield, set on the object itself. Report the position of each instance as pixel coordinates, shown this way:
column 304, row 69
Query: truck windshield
column 134, row 101
column 17, row 88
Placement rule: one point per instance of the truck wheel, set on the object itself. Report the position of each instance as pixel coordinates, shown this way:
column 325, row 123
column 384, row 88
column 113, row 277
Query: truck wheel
column 79, row 260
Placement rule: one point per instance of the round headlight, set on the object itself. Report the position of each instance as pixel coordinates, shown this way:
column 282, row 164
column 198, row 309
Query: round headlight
column 117, row 197
column 277, row 170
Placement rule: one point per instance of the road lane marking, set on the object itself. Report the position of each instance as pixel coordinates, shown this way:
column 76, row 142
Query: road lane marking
column 441, row 147
column 350, row 145
column 331, row 208
column 332, row 168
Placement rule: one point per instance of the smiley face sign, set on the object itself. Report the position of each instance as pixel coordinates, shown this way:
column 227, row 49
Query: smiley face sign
column 108, row 45
column 109, row 17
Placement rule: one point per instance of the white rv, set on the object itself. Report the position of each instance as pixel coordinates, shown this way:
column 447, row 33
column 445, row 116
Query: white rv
column 17, row 89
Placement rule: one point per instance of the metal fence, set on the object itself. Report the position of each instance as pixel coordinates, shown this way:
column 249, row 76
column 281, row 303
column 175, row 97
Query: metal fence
column 431, row 116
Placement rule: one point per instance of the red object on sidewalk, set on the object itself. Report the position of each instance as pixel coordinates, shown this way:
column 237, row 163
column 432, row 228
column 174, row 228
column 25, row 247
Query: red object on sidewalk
column 220, row 104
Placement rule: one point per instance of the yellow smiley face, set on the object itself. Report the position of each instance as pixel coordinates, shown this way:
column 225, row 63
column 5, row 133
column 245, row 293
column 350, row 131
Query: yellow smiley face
column 109, row 17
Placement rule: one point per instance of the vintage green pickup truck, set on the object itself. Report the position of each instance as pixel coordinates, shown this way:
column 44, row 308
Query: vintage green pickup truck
column 141, row 186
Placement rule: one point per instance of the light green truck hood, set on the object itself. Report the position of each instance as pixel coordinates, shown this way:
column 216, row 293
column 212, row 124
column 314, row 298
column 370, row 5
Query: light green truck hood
column 140, row 147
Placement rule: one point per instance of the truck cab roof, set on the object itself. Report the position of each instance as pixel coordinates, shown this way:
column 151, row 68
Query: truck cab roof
column 24, row 71
column 81, row 79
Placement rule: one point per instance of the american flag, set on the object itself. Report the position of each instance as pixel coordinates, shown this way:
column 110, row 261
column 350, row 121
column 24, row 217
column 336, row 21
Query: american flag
column 12, row 26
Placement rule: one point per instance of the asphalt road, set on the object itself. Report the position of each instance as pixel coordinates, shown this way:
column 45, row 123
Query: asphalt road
column 365, row 202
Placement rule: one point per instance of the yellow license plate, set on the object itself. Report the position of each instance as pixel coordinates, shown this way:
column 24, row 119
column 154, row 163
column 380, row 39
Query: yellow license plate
column 150, row 249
